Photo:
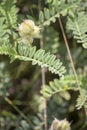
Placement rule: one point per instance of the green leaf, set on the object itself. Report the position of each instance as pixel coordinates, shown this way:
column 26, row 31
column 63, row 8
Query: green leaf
column 41, row 17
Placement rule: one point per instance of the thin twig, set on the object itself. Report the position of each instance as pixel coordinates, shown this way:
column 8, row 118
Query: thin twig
column 43, row 75
column 43, row 85
column 17, row 109
column 69, row 53
column 70, row 57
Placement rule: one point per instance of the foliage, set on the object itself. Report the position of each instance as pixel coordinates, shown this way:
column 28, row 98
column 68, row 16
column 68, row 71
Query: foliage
column 21, row 81
column 8, row 12
column 78, row 25
column 56, row 86
column 39, row 57
column 82, row 99
column 50, row 14
column 68, row 83
column 24, row 126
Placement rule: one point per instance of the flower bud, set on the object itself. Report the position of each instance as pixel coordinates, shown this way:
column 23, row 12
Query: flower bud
column 26, row 28
column 60, row 125
column 28, row 31
column 65, row 125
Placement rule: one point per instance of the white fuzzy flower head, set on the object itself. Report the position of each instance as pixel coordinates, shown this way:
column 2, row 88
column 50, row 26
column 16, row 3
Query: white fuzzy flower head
column 28, row 31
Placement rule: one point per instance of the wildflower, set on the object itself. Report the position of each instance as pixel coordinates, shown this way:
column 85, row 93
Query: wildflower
column 60, row 125
column 28, row 31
